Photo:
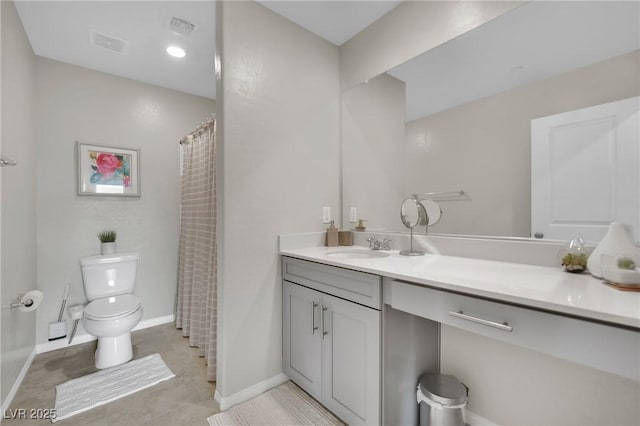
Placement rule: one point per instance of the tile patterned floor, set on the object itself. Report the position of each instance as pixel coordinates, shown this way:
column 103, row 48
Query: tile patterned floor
column 187, row 399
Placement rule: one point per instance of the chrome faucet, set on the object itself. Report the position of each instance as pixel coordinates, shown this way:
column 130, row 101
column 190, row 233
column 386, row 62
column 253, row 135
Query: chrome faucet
column 375, row 244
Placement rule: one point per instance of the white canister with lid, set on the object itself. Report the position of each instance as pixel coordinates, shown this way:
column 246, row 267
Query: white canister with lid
column 617, row 243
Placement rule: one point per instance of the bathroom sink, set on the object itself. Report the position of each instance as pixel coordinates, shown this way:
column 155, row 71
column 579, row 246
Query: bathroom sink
column 356, row 253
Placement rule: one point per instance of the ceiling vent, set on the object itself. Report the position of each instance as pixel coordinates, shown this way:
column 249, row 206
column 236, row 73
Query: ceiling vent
column 110, row 43
column 181, row 26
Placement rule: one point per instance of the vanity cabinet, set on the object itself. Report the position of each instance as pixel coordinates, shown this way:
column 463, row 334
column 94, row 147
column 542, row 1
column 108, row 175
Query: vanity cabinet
column 383, row 324
column 612, row 349
column 332, row 344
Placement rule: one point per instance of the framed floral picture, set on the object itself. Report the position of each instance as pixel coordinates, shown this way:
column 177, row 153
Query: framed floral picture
column 104, row 170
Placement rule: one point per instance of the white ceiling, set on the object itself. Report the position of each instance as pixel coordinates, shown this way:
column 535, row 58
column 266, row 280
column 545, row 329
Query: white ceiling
column 335, row 21
column 544, row 38
column 61, row 30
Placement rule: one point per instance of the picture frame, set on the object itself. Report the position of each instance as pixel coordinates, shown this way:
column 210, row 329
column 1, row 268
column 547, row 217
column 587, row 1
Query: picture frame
column 107, row 171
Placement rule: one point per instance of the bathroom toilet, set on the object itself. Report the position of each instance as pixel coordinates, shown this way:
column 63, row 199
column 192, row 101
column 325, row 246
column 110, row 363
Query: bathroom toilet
column 113, row 310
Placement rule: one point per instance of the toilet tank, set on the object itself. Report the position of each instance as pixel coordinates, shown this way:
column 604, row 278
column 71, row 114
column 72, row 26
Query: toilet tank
column 109, row 275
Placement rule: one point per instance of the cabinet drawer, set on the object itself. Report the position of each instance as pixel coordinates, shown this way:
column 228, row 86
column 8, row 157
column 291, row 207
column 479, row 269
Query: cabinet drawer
column 358, row 287
column 608, row 348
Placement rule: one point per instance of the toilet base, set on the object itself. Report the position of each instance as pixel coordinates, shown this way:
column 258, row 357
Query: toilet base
column 113, row 351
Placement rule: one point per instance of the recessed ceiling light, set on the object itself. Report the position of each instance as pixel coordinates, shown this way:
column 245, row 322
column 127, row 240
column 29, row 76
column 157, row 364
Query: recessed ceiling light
column 176, row 52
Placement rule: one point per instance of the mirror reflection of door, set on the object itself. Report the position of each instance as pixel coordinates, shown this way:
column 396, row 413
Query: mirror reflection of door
column 584, row 171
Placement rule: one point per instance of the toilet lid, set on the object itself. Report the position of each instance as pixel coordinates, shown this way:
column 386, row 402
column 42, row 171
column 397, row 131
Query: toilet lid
column 112, row 306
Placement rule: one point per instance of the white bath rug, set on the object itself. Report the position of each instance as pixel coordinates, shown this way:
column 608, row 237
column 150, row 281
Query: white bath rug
column 90, row 391
column 285, row 405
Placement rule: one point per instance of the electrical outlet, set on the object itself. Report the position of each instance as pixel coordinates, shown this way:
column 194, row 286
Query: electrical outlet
column 353, row 215
column 326, row 215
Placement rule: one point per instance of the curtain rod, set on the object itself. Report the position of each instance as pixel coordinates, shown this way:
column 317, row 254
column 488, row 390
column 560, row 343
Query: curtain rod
column 203, row 126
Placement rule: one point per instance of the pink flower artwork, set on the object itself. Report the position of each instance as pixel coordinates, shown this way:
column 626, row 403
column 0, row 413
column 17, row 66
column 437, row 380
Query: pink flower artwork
column 110, row 169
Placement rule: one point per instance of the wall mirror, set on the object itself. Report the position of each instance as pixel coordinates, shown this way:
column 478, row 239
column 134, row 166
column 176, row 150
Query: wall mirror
column 459, row 116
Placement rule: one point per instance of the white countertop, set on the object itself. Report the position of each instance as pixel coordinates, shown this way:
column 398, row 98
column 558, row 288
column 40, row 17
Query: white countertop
column 534, row 286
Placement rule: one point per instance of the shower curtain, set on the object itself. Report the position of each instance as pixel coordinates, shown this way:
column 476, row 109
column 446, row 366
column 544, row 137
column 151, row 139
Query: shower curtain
column 196, row 298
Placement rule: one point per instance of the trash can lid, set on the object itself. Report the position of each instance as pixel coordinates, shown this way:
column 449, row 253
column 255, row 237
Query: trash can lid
column 443, row 388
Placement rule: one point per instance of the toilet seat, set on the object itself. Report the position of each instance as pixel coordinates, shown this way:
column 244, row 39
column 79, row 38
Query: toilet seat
column 108, row 308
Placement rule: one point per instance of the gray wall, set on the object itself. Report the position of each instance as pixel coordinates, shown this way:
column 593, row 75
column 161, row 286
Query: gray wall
column 373, row 152
column 77, row 104
column 510, row 385
column 279, row 150
column 484, row 147
column 18, row 199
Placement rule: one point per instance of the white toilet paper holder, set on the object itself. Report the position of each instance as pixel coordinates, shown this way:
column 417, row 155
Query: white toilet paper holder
column 27, row 300
column 19, row 302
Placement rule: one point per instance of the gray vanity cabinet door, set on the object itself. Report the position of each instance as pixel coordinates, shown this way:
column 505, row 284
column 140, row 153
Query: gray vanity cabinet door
column 351, row 361
column 302, row 340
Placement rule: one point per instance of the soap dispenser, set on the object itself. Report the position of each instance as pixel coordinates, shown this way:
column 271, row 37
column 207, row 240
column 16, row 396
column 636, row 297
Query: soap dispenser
column 332, row 236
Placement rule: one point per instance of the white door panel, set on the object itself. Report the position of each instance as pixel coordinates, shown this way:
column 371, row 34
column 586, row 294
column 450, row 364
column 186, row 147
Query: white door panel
column 584, row 171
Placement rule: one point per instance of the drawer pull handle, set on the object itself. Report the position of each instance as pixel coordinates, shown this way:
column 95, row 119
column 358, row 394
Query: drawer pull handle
column 314, row 305
column 501, row 326
column 323, row 331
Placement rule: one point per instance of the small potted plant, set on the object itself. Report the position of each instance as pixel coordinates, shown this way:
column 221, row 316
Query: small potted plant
column 574, row 262
column 108, row 241
column 574, row 255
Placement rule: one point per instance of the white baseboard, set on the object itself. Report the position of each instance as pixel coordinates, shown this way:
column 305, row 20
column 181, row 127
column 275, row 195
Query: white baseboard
column 84, row 337
column 246, row 394
column 64, row 343
column 152, row 322
column 250, row 392
column 16, row 385
column 473, row 419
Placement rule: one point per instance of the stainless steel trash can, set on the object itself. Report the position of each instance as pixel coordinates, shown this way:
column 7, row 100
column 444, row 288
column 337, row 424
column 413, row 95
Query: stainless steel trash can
column 442, row 400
